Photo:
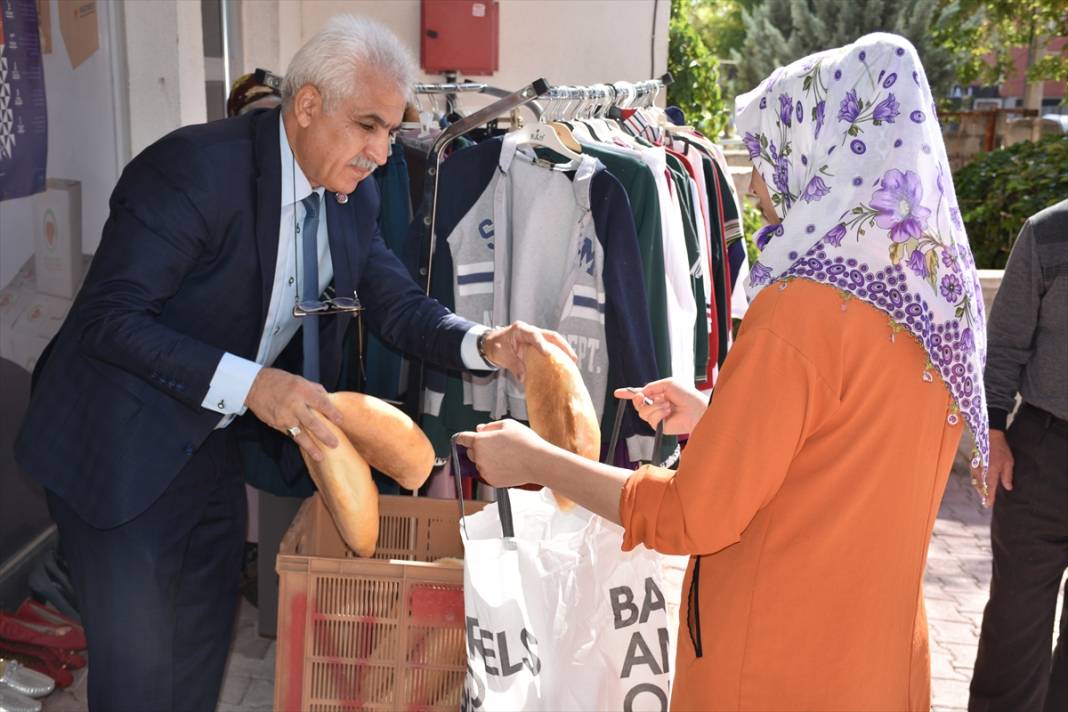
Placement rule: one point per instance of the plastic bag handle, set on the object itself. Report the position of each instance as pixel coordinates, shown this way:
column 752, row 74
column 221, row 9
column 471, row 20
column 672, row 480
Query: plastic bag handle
column 504, row 504
column 617, row 425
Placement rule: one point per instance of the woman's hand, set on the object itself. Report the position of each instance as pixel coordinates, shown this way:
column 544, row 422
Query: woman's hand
column 678, row 404
column 506, row 453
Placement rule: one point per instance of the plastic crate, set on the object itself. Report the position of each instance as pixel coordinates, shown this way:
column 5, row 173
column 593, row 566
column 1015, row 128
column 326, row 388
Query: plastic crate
column 372, row 634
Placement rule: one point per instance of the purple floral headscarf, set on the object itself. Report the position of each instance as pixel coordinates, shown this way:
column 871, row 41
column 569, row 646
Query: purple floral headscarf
column 849, row 144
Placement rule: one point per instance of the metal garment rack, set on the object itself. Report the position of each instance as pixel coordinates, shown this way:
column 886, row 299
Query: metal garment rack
column 597, row 99
column 428, row 237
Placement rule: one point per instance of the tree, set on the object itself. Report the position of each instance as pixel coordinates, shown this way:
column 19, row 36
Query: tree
column 695, row 70
column 977, row 30
column 781, row 31
column 720, row 23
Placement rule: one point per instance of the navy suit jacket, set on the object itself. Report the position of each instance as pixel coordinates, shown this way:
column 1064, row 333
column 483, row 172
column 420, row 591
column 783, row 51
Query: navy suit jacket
column 183, row 274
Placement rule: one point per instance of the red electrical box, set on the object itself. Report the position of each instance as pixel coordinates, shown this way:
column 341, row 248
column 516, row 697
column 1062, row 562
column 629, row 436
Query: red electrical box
column 459, row 36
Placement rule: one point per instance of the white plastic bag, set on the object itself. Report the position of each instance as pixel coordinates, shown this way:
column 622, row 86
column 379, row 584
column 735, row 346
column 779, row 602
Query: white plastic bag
column 559, row 618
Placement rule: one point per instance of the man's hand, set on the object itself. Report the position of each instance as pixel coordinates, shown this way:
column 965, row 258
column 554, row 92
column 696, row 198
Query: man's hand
column 284, row 401
column 504, row 347
column 1001, row 464
column 677, row 403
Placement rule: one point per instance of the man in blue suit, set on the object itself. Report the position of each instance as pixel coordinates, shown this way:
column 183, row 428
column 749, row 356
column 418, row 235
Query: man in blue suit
column 215, row 232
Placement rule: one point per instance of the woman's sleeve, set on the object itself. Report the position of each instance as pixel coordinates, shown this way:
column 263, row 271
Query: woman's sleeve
column 768, row 400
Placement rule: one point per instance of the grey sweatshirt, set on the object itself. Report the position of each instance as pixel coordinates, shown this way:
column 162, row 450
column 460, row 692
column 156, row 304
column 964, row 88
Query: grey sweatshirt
column 1027, row 333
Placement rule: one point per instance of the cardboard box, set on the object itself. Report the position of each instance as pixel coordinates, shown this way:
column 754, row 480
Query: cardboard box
column 58, row 237
column 29, row 319
column 42, row 316
column 13, row 300
column 37, row 322
column 27, row 350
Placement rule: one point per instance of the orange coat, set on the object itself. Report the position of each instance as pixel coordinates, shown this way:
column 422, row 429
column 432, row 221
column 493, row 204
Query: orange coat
column 809, row 490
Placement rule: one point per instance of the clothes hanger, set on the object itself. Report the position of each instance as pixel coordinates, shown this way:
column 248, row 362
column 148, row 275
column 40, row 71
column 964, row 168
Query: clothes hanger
column 563, row 131
column 544, row 136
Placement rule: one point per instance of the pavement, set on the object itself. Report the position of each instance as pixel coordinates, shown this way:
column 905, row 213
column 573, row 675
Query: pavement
column 955, row 587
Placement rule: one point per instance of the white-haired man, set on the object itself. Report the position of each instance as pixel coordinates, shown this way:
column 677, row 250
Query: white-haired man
column 218, row 235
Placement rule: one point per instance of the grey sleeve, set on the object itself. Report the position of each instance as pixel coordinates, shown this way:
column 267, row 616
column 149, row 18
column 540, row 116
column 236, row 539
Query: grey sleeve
column 1011, row 327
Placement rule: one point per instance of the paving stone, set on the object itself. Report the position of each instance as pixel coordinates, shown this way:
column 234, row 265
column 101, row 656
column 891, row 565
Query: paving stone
column 942, row 610
column 933, row 591
column 260, row 694
column 942, row 670
column 970, row 602
column 952, row 632
column 963, row 654
column 234, row 689
column 951, row 694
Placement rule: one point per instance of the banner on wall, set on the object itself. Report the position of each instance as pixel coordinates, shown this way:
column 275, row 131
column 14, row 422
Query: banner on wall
column 23, row 114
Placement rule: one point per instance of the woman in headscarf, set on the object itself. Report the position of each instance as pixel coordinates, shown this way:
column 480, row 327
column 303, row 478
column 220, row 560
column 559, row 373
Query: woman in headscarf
column 809, row 487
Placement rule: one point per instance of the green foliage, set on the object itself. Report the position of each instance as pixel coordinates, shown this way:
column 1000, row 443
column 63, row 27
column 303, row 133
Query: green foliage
column 752, row 220
column 695, row 69
column 976, row 29
column 781, row 31
column 999, row 190
column 719, row 23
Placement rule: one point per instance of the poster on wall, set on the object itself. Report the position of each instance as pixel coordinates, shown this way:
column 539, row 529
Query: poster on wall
column 23, row 115
column 78, row 25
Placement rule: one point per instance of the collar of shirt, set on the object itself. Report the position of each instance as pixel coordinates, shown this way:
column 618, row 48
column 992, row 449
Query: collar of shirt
column 295, row 185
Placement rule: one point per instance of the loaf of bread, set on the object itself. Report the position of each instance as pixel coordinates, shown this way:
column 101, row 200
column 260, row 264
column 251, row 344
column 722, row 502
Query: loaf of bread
column 345, row 484
column 559, row 406
column 386, row 438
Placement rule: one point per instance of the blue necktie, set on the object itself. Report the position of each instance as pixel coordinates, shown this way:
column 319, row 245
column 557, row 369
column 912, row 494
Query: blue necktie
column 310, row 289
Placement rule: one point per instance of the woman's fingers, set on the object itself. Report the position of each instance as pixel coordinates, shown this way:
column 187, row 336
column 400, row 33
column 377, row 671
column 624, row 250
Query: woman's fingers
column 466, row 439
column 655, row 413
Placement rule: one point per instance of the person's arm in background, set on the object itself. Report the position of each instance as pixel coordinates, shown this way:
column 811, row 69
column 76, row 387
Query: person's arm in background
column 1010, row 341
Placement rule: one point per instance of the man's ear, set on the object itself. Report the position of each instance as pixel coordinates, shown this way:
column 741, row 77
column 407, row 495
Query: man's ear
column 307, row 104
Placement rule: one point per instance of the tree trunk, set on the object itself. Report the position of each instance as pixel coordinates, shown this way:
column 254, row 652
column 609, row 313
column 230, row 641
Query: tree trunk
column 1032, row 98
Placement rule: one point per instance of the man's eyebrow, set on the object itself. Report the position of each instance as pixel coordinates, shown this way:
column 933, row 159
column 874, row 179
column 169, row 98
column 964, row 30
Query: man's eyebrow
column 378, row 120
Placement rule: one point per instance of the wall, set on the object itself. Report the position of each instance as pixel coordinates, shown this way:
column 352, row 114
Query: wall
column 165, row 68
column 564, row 41
column 82, row 143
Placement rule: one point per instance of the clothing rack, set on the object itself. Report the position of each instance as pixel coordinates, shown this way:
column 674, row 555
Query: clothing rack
column 428, row 241
column 596, row 99
column 449, row 88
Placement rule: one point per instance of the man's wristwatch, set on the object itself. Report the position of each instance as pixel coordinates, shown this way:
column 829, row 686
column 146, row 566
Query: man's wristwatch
column 481, row 344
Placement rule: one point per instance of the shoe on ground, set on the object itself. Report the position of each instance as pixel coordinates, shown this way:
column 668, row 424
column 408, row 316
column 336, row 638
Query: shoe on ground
column 12, row 701
column 34, row 612
column 65, row 637
column 23, row 680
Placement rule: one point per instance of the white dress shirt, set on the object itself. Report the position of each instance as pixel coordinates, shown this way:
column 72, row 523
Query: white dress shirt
column 234, row 375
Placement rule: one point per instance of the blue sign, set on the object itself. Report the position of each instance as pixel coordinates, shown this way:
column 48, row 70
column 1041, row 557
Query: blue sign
column 23, row 113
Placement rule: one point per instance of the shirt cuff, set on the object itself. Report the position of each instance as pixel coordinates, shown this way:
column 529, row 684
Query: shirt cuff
column 469, row 350
column 998, row 418
column 230, row 385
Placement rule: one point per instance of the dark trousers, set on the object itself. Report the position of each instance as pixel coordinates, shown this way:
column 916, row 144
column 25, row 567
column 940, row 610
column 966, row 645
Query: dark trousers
column 158, row 595
column 1014, row 670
